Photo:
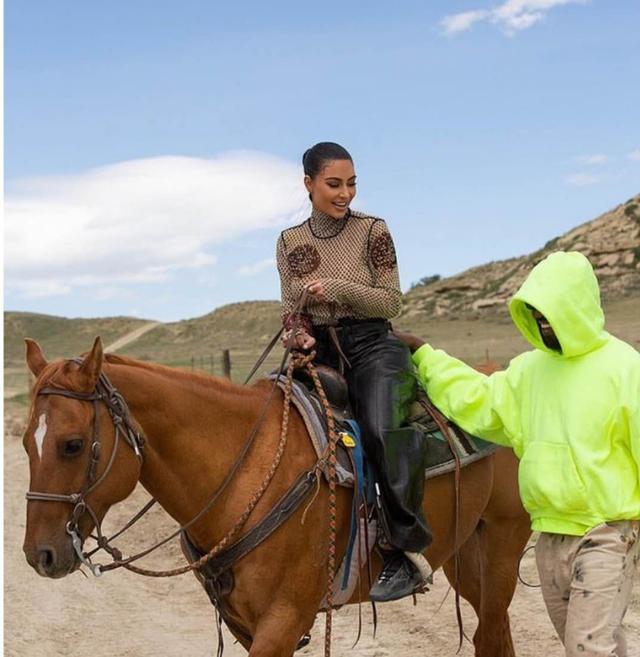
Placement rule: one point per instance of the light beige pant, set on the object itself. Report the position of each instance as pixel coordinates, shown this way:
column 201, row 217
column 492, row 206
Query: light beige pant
column 586, row 585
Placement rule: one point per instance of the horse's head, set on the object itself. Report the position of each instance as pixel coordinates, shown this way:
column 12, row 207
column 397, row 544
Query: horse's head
column 79, row 465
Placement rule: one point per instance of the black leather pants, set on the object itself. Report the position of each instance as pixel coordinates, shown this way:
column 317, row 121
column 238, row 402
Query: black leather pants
column 381, row 386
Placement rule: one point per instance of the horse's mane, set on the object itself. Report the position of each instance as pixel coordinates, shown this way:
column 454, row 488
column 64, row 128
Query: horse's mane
column 59, row 373
column 198, row 378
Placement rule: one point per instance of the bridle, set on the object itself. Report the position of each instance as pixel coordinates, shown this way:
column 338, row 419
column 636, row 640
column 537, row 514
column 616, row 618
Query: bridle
column 103, row 392
column 120, row 416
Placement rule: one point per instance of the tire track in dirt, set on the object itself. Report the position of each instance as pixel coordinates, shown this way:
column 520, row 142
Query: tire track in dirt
column 131, row 336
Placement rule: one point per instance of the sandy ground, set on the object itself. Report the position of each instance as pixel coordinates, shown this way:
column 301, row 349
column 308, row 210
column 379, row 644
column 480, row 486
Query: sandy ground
column 125, row 615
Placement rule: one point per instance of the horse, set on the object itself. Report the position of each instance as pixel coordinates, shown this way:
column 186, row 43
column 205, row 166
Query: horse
column 194, row 427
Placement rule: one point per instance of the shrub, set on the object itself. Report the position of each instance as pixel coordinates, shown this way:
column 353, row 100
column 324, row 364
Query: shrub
column 426, row 280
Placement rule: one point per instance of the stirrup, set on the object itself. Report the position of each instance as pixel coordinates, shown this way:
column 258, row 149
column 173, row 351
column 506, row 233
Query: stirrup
column 419, row 561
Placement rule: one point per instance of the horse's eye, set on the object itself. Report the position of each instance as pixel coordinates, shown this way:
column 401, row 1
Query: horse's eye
column 72, row 447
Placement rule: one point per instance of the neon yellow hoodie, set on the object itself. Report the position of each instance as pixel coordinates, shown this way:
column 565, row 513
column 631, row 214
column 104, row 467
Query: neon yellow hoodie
column 572, row 418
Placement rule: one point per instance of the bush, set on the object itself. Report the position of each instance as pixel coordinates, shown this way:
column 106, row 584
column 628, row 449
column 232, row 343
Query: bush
column 426, row 280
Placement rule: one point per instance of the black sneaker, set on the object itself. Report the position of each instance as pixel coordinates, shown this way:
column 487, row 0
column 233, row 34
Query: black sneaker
column 398, row 579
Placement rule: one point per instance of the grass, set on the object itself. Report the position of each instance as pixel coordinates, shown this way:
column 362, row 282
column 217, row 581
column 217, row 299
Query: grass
column 60, row 336
column 246, row 328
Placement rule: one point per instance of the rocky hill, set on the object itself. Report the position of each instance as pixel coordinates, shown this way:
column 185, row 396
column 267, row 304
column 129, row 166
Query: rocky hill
column 611, row 242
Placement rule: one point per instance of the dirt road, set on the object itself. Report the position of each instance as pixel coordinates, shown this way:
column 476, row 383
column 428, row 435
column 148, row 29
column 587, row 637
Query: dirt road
column 131, row 336
column 124, row 615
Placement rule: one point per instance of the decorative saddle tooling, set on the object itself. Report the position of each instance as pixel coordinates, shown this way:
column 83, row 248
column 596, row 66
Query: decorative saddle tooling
column 352, row 470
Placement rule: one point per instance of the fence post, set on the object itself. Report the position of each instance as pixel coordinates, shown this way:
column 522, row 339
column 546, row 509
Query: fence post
column 226, row 363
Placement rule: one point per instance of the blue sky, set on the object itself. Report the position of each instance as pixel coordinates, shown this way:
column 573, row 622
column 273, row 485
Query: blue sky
column 152, row 148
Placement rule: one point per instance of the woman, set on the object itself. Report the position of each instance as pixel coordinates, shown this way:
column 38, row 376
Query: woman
column 347, row 262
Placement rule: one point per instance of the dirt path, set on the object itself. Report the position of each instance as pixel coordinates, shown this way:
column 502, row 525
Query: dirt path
column 131, row 336
column 129, row 616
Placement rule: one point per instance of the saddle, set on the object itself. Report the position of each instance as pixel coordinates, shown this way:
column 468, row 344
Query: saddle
column 217, row 575
column 422, row 416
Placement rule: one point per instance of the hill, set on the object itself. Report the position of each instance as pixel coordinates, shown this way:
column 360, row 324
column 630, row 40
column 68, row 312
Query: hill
column 60, row 335
column 611, row 242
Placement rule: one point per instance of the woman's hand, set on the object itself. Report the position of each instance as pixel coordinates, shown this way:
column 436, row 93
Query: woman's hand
column 316, row 290
column 301, row 340
column 412, row 341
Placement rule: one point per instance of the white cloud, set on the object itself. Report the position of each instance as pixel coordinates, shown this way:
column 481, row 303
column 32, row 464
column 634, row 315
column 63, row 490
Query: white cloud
column 582, row 179
column 140, row 220
column 107, row 292
column 511, row 16
column 256, row 267
column 592, row 160
column 456, row 23
column 42, row 288
column 634, row 156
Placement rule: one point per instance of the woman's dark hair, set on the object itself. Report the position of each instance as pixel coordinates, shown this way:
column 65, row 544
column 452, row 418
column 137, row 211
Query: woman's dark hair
column 316, row 157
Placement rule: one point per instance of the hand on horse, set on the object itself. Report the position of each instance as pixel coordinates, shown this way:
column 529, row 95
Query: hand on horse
column 412, row 341
column 301, row 341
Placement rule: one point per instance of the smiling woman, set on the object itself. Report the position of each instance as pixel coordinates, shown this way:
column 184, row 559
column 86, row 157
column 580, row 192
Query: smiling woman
column 346, row 261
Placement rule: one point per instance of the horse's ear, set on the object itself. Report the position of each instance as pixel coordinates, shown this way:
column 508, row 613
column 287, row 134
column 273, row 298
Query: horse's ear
column 34, row 356
column 92, row 365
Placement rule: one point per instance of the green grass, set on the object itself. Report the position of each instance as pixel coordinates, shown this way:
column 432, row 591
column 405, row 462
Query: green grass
column 59, row 336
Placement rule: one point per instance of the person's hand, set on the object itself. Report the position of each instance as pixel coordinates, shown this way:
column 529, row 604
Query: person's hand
column 412, row 341
column 301, row 340
column 316, row 290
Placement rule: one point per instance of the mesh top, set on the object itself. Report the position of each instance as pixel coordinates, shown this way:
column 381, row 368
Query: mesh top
column 355, row 259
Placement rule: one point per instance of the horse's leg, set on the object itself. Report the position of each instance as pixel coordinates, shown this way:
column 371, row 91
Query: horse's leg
column 489, row 561
column 492, row 637
column 278, row 633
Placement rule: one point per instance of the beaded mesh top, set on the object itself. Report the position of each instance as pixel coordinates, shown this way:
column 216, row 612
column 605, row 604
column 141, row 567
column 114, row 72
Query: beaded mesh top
column 354, row 257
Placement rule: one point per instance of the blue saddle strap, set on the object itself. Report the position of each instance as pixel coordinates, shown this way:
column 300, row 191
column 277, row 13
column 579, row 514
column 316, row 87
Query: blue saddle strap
column 357, row 454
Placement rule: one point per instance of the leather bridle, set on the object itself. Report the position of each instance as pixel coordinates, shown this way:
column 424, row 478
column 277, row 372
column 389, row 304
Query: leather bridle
column 104, row 392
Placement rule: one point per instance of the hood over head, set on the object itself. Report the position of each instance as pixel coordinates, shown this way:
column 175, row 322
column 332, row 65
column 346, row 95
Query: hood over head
column 564, row 288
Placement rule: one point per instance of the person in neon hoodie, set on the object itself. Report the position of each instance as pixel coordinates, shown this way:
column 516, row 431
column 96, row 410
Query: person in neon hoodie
column 570, row 409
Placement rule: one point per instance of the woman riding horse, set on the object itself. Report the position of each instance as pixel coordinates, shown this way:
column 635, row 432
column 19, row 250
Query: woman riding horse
column 347, row 263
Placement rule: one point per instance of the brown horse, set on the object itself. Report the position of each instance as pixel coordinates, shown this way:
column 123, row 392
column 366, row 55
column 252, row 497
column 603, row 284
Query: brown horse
column 195, row 426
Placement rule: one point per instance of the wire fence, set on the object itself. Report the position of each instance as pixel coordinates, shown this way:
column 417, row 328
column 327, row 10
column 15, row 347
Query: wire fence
column 230, row 364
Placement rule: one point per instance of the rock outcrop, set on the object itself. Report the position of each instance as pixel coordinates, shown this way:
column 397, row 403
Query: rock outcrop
column 611, row 242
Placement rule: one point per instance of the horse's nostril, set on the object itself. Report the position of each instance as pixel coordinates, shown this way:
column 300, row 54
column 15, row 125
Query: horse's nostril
column 46, row 559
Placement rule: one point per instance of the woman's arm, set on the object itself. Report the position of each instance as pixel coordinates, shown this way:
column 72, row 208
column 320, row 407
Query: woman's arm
column 303, row 338
column 286, row 293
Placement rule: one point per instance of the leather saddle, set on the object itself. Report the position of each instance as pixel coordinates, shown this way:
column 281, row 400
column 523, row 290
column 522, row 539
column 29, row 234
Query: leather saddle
column 335, row 388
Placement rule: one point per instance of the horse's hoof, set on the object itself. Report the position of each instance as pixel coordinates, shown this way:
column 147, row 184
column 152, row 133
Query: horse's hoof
column 304, row 641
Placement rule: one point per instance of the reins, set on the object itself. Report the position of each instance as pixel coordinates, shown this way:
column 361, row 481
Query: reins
column 441, row 422
column 104, row 392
